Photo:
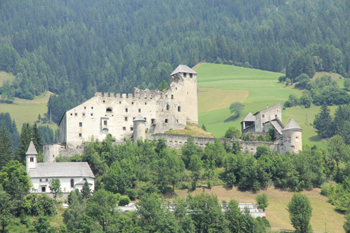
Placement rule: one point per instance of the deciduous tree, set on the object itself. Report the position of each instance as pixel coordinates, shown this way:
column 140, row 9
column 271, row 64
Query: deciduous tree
column 300, row 211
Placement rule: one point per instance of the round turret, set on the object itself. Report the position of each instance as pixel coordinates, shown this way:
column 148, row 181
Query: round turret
column 139, row 128
column 292, row 137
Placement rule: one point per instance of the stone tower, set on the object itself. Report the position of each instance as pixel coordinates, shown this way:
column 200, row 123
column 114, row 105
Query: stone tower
column 184, row 88
column 139, row 128
column 31, row 155
column 292, row 137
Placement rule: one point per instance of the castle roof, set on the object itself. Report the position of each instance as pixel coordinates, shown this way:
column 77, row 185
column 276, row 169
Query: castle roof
column 183, row 69
column 139, row 118
column 31, row 149
column 277, row 126
column 292, row 125
column 263, row 110
column 249, row 117
column 61, row 169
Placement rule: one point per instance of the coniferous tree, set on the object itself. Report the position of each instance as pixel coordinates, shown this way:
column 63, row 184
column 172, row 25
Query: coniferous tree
column 36, row 137
column 26, row 137
column 323, row 121
column 5, row 147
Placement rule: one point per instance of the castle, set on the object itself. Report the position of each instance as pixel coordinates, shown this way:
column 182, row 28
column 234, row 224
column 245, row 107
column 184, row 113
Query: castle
column 287, row 138
column 155, row 112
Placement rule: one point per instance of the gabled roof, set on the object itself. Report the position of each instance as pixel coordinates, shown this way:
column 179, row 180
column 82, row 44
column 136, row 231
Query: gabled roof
column 183, row 69
column 292, row 125
column 62, row 169
column 262, row 110
column 277, row 126
column 31, row 149
column 249, row 117
column 139, row 118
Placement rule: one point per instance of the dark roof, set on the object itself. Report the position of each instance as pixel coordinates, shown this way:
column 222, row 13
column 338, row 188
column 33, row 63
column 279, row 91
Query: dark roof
column 292, row 125
column 31, row 149
column 249, row 117
column 183, row 69
column 63, row 169
column 277, row 126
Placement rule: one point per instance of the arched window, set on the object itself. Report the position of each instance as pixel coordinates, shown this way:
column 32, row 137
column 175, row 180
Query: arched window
column 109, row 110
column 72, row 183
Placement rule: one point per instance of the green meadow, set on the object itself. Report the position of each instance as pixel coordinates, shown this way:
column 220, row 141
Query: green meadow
column 220, row 85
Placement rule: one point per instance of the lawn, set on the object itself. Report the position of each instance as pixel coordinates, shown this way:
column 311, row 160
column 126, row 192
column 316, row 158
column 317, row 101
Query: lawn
column 322, row 212
column 220, row 85
column 28, row 110
column 6, row 76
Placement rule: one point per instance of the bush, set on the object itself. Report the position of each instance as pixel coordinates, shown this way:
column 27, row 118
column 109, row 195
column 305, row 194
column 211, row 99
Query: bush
column 194, row 185
column 124, row 200
column 131, row 194
column 147, row 188
column 182, row 186
column 263, row 221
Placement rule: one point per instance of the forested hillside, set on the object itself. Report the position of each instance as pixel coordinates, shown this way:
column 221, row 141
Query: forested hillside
column 74, row 48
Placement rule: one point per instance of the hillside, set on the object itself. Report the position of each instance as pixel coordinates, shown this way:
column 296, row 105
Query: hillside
column 220, row 85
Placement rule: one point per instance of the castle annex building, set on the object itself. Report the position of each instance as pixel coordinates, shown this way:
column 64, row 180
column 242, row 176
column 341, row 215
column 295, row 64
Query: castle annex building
column 114, row 113
column 287, row 138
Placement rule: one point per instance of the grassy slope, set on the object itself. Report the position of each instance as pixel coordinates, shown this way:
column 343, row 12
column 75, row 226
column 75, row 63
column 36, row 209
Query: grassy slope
column 221, row 85
column 323, row 212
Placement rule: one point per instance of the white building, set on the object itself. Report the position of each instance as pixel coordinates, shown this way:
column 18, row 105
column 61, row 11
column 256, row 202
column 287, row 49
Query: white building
column 72, row 175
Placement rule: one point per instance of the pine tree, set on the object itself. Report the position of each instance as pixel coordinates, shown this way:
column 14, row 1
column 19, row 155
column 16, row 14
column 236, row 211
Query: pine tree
column 86, row 191
column 26, row 137
column 323, row 121
column 5, row 147
column 36, row 137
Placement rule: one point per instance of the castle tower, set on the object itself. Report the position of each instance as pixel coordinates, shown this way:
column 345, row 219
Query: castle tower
column 184, row 87
column 31, row 155
column 292, row 137
column 139, row 128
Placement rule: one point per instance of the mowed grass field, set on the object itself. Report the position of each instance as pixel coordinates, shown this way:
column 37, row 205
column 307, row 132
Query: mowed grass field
column 277, row 214
column 220, row 85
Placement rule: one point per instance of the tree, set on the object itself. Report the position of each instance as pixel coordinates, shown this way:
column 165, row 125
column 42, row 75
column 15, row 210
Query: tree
column 322, row 122
column 347, row 84
column 262, row 201
column 5, row 147
column 86, row 191
column 232, row 132
column 300, row 210
column 163, row 85
column 233, row 215
column 25, row 138
column 55, row 187
column 346, row 225
column 6, row 210
column 204, row 128
column 337, row 150
column 237, row 108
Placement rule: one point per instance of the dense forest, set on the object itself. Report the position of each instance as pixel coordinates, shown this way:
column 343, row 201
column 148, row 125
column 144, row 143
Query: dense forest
column 75, row 48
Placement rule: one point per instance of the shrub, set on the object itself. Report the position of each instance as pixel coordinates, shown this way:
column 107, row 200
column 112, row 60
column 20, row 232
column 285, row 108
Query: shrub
column 131, row 194
column 148, row 188
column 124, row 200
column 182, row 186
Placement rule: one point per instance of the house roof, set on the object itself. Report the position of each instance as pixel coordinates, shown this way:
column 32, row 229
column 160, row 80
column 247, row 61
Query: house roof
column 263, row 110
column 31, row 149
column 183, row 69
column 292, row 125
column 139, row 118
column 277, row 126
column 63, row 169
column 249, row 117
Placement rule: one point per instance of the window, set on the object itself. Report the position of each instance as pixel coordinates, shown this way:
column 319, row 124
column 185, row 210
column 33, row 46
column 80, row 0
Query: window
column 126, row 110
column 109, row 110
column 132, row 103
column 84, row 107
column 92, row 114
column 179, row 108
column 124, row 128
column 297, row 139
column 104, row 122
column 76, row 114
column 145, row 103
column 166, row 120
column 172, row 96
column 71, row 114
column 80, row 124
column 185, row 75
column 126, row 118
column 120, row 102
column 83, row 114
column 43, row 189
column 80, row 135
column 92, row 107
column 190, row 75
column 131, row 129
column 104, row 101
column 275, row 115
column 139, row 109
column 31, row 159
column 263, row 115
column 145, row 118
column 167, row 107
column 153, row 121
column 72, row 183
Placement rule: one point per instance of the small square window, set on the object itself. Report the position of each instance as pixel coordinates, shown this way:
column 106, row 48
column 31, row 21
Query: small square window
column 132, row 103
column 80, row 124
column 71, row 114
column 84, row 107
column 263, row 115
column 92, row 114
column 275, row 115
column 83, row 114
column 145, row 103
column 131, row 128
column 92, row 107
column 139, row 110
column 124, row 128
column 166, row 120
column 126, row 110
column 126, row 118
column 120, row 102
column 31, row 159
column 76, row 114
column 104, row 101
column 80, row 135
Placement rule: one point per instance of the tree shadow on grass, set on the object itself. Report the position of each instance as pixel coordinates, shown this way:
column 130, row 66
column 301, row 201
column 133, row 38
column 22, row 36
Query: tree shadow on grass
column 231, row 118
column 315, row 139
